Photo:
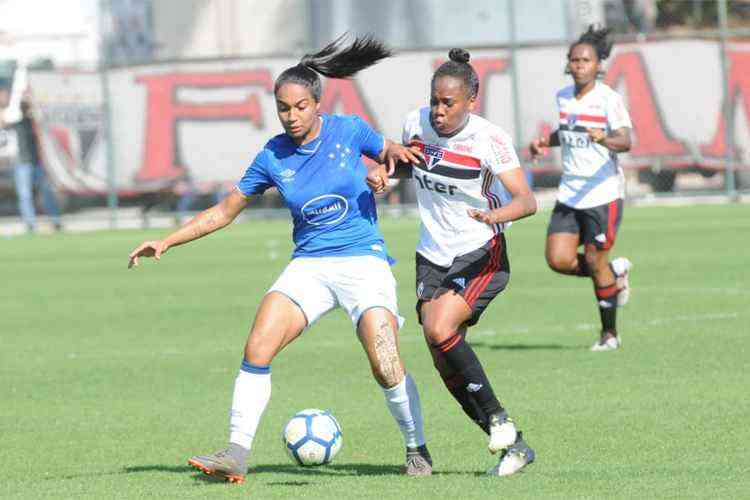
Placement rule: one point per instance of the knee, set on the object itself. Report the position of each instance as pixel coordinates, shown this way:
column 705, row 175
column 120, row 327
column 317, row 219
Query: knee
column 436, row 331
column 257, row 349
column 561, row 263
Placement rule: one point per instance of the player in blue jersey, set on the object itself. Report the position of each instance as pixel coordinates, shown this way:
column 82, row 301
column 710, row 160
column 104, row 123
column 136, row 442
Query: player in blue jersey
column 340, row 258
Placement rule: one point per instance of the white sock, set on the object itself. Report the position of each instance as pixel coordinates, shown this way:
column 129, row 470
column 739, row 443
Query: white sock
column 403, row 402
column 252, row 391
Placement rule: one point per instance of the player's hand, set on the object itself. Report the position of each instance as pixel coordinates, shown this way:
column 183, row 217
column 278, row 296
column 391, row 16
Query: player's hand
column 377, row 179
column 147, row 249
column 538, row 147
column 397, row 152
column 485, row 216
column 597, row 135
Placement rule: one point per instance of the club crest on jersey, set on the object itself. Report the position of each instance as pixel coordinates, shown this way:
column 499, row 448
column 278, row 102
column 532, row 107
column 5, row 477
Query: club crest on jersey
column 432, row 155
column 572, row 119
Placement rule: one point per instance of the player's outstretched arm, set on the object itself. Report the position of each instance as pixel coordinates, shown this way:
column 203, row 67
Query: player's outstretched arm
column 539, row 145
column 394, row 153
column 522, row 205
column 206, row 222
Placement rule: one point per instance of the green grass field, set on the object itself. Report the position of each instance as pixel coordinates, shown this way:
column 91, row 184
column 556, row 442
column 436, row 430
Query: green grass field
column 110, row 379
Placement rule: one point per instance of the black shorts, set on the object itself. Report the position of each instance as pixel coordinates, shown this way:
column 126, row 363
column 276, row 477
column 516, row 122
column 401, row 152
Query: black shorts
column 477, row 276
column 597, row 225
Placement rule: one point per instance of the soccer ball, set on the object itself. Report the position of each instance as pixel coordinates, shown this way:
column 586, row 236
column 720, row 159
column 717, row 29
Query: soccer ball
column 312, row 437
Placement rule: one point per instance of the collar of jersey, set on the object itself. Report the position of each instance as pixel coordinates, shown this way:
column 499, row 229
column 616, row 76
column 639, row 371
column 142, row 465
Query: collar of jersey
column 312, row 146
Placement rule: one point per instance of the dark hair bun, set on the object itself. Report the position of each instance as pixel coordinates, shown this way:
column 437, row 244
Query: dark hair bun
column 459, row 55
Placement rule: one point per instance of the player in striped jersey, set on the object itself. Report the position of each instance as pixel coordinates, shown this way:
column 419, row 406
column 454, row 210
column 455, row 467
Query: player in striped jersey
column 469, row 189
column 594, row 127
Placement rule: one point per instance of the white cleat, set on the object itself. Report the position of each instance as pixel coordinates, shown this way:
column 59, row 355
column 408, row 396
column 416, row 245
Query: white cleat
column 514, row 459
column 621, row 267
column 607, row 342
column 502, row 433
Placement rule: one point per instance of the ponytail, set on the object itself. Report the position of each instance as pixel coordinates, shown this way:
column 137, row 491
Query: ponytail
column 334, row 61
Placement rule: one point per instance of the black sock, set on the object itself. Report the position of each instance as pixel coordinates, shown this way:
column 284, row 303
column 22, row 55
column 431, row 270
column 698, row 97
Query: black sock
column 607, row 299
column 461, row 357
column 457, row 387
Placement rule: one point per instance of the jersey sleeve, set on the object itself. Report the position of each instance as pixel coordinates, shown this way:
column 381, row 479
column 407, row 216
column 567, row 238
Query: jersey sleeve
column 617, row 114
column 371, row 143
column 500, row 156
column 406, row 132
column 256, row 178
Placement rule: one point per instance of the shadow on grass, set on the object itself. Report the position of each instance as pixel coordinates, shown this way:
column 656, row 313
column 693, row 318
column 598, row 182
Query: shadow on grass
column 525, row 347
column 340, row 470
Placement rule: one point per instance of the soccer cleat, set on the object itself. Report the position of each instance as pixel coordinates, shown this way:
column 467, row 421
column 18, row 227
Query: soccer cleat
column 220, row 465
column 621, row 267
column 418, row 461
column 607, row 342
column 502, row 432
column 515, row 458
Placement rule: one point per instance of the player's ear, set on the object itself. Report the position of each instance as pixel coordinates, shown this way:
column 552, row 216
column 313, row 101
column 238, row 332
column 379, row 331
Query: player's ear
column 472, row 103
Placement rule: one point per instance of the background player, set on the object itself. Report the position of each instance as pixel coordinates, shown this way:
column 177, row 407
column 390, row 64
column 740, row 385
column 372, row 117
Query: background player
column 340, row 257
column 594, row 127
column 469, row 188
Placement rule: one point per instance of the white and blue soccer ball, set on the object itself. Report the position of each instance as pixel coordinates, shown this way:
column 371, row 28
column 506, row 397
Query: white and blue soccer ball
column 312, row 437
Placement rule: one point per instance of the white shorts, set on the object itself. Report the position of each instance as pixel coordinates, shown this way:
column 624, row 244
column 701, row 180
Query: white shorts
column 320, row 284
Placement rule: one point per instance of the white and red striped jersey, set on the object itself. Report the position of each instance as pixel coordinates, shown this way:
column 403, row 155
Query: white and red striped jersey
column 591, row 175
column 460, row 173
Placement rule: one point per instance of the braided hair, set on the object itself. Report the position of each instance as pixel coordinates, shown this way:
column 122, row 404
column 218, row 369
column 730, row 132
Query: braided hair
column 596, row 38
column 334, row 61
column 458, row 67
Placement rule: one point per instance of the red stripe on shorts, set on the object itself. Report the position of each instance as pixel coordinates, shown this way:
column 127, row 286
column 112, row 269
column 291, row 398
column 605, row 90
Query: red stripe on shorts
column 476, row 288
column 611, row 221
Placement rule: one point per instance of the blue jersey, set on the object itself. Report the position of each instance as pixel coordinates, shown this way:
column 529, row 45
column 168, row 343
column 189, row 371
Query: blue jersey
column 323, row 185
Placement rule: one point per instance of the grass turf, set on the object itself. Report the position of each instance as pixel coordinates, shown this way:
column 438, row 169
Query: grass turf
column 110, row 379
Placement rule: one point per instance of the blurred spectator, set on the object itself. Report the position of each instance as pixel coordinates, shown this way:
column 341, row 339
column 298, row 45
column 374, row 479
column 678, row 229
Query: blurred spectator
column 641, row 14
column 19, row 146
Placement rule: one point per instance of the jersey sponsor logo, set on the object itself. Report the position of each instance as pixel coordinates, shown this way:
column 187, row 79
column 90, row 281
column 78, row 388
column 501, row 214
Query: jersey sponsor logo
column 325, row 210
column 436, row 186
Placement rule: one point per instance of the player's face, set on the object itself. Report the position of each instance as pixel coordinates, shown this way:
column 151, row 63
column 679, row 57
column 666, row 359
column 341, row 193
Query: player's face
column 450, row 105
column 583, row 64
column 298, row 112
